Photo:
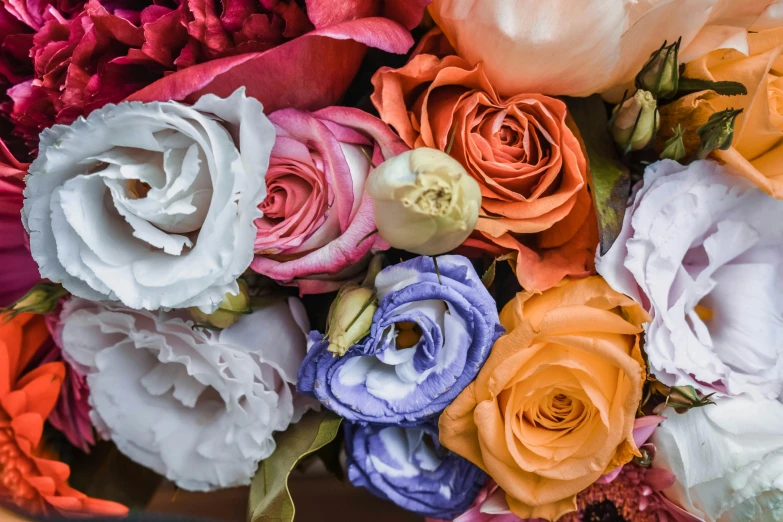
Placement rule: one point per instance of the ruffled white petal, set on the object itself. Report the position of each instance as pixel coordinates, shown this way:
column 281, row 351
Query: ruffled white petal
column 698, row 239
column 160, row 216
column 196, row 406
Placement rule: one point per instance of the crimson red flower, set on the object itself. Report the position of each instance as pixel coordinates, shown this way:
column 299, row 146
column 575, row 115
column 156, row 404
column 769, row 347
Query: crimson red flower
column 111, row 50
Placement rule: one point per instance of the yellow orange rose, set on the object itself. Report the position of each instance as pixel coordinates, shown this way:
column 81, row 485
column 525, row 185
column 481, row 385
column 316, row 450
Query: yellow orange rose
column 757, row 149
column 554, row 406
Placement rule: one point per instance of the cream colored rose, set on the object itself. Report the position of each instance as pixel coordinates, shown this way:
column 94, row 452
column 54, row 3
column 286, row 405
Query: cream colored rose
column 425, row 202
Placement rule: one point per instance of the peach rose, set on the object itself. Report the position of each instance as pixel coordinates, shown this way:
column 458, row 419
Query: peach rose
column 553, row 408
column 529, row 164
column 757, row 149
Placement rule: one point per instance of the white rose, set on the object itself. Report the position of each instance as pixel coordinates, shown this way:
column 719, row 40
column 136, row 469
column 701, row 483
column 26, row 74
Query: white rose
column 197, row 406
column 425, row 201
column 728, row 460
column 150, row 204
column 701, row 249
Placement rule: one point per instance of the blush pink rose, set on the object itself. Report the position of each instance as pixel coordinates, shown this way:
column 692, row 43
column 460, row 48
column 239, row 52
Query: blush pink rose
column 317, row 228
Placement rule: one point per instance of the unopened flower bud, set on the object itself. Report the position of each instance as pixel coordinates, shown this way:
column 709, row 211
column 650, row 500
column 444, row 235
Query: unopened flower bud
column 350, row 317
column 425, row 201
column 674, row 148
column 683, row 398
column 41, row 299
column 233, row 307
column 635, row 122
column 661, row 75
column 718, row 132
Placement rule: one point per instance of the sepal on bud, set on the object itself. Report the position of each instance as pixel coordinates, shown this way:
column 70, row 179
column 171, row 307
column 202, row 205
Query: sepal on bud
column 40, row 299
column 718, row 132
column 674, row 148
column 233, row 307
column 350, row 317
column 661, row 74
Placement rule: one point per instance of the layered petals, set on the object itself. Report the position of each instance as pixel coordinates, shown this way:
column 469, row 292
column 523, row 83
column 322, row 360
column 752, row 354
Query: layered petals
column 581, row 48
column 699, row 250
column 430, row 335
column 168, row 394
column 29, row 480
column 527, row 161
column 553, row 408
column 317, row 228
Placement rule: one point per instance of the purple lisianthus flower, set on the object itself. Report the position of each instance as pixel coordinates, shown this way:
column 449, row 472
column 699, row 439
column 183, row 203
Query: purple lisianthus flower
column 430, row 335
column 409, row 467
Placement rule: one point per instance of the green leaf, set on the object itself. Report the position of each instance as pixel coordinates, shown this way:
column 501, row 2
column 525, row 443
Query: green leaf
column 270, row 500
column 691, row 85
column 489, row 276
column 610, row 180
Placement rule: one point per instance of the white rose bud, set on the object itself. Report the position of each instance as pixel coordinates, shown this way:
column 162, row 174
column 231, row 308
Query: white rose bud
column 425, row 201
column 635, row 122
column 350, row 317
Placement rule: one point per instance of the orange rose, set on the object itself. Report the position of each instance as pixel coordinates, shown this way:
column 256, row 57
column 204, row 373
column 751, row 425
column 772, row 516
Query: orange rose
column 529, row 164
column 553, row 408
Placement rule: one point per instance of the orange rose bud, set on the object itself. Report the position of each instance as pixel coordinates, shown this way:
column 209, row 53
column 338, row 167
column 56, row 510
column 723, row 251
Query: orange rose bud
column 553, row 408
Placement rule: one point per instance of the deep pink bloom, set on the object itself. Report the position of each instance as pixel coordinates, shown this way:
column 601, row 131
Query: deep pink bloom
column 180, row 49
column 20, row 272
column 317, row 229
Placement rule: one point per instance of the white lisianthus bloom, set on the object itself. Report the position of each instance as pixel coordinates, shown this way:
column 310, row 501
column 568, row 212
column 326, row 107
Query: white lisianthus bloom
column 150, row 204
column 701, row 250
column 728, row 460
column 197, row 406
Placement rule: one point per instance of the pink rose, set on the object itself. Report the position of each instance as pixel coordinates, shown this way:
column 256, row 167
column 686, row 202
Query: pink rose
column 317, row 228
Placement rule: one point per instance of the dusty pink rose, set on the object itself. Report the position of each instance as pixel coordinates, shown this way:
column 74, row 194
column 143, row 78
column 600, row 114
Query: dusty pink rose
column 317, row 228
column 180, row 49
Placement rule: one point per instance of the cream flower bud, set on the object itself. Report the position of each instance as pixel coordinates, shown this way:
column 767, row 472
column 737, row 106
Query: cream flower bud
column 425, row 201
column 233, row 307
column 635, row 122
column 350, row 317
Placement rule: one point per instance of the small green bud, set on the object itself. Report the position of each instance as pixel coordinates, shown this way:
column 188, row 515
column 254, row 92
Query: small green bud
column 233, row 307
column 350, row 317
column 683, row 398
column 661, row 74
column 40, row 299
column 674, row 148
column 718, row 132
column 635, row 122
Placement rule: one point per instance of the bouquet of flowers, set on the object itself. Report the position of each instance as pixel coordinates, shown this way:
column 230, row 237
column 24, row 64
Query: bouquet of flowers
column 493, row 261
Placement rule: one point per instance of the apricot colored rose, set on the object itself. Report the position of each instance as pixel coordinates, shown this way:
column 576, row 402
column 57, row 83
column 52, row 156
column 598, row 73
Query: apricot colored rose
column 757, row 148
column 529, row 164
column 553, row 408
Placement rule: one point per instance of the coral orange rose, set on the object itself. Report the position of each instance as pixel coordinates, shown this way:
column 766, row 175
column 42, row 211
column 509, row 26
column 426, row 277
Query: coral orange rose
column 757, row 148
column 553, row 408
column 29, row 480
column 529, row 164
